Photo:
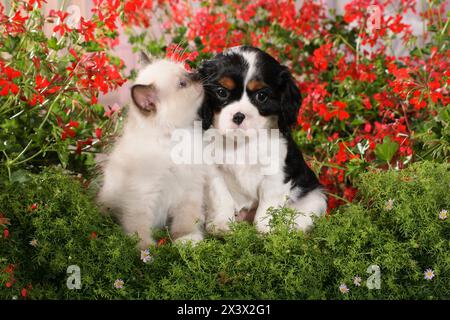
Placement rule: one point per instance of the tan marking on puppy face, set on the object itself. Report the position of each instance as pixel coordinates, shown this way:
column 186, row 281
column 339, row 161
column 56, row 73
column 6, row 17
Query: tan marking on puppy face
column 254, row 85
column 227, row 83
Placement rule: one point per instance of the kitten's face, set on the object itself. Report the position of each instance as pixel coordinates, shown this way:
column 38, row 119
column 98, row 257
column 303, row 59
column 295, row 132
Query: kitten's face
column 166, row 92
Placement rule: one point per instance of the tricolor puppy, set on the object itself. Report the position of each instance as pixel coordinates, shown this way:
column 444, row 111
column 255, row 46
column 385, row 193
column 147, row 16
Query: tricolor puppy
column 246, row 88
column 142, row 186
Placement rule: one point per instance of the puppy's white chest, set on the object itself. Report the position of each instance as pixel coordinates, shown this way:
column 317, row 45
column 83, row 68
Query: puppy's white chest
column 243, row 183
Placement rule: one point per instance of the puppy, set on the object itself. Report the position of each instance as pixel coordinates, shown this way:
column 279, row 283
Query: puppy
column 246, row 88
column 142, row 186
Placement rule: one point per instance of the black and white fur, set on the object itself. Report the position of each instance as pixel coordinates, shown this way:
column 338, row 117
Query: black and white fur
column 259, row 94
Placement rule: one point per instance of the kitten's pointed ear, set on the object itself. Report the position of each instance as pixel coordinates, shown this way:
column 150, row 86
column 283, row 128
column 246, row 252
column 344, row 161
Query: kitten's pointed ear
column 144, row 97
column 144, row 59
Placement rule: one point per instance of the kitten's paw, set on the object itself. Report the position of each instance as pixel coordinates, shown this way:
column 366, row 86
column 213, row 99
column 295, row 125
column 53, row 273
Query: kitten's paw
column 193, row 238
column 262, row 225
column 146, row 243
column 218, row 226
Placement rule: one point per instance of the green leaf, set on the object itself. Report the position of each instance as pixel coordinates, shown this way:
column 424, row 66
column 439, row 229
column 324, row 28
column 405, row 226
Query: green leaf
column 386, row 150
column 92, row 46
column 63, row 156
column 358, row 121
column 20, row 176
column 53, row 43
column 432, row 28
column 10, row 44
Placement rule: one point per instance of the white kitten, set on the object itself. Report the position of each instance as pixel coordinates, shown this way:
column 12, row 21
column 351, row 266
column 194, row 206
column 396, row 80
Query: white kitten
column 142, row 186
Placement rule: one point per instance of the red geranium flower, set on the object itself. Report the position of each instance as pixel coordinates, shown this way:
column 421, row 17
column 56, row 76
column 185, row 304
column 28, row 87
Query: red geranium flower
column 87, row 29
column 39, row 2
column 16, row 23
column 61, row 27
column 98, row 133
column 162, row 241
column 7, row 74
column 340, row 110
column 321, row 56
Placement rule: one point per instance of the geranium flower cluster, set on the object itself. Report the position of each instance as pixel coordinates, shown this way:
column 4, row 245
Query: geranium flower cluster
column 52, row 70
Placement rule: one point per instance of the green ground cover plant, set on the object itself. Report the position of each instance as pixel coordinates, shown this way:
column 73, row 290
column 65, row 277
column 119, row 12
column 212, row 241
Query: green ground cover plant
column 399, row 225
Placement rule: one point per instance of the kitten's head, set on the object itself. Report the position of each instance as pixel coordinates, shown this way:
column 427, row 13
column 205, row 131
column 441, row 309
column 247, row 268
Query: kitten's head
column 165, row 92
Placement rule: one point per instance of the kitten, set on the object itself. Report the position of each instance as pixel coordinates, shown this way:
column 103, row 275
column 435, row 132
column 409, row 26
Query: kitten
column 142, row 186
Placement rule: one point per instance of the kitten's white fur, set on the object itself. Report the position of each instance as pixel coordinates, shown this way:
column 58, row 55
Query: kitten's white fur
column 142, row 186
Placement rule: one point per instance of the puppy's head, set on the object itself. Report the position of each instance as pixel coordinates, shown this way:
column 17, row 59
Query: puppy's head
column 246, row 88
column 166, row 92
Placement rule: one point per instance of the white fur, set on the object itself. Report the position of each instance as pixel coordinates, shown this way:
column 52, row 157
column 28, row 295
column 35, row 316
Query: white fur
column 234, row 188
column 142, row 185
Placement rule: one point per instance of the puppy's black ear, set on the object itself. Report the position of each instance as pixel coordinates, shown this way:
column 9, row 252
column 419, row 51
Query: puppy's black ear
column 206, row 114
column 144, row 97
column 208, row 69
column 206, row 72
column 290, row 101
column 144, row 59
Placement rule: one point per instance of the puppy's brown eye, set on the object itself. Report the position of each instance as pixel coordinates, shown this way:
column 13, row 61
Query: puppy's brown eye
column 222, row 93
column 261, row 97
column 182, row 84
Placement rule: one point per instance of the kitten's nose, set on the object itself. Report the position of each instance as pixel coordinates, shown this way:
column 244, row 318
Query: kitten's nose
column 238, row 117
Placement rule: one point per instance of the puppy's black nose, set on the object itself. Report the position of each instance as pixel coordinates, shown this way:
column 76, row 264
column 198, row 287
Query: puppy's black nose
column 238, row 117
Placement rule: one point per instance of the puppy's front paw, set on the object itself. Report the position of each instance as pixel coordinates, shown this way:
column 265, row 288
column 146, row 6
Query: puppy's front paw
column 218, row 226
column 303, row 222
column 193, row 238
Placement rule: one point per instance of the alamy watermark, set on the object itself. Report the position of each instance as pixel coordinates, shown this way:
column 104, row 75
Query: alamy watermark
column 374, row 280
column 260, row 147
column 74, row 279
column 374, row 19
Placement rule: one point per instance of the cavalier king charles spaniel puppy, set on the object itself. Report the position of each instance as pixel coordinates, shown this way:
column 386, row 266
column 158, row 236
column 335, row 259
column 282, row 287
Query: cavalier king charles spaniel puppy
column 247, row 89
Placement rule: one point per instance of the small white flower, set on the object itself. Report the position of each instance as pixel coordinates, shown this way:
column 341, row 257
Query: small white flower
column 34, row 243
column 389, row 204
column 343, row 288
column 428, row 274
column 443, row 214
column 118, row 284
column 14, row 297
column 357, row 281
column 145, row 256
